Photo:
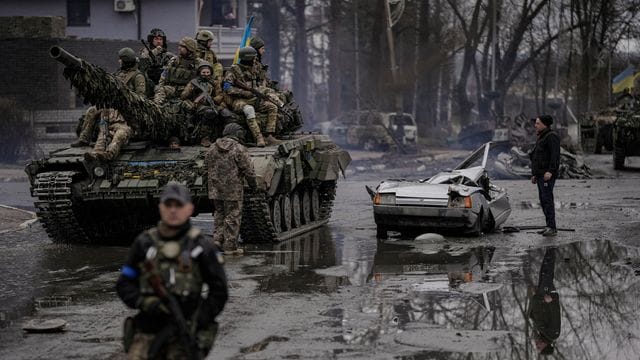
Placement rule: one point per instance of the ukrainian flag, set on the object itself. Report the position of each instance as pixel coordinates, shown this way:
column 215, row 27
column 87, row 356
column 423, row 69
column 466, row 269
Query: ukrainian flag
column 246, row 39
column 624, row 80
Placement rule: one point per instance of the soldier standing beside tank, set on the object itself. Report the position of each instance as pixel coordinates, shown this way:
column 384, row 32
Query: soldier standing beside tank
column 199, row 97
column 180, row 70
column 113, row 125
column 241, row 84
column 153, row 63
column 228, row 165
column 163, row 277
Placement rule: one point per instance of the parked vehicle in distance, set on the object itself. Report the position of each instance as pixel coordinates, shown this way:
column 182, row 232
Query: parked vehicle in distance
column 463, row 200
column 371, row 130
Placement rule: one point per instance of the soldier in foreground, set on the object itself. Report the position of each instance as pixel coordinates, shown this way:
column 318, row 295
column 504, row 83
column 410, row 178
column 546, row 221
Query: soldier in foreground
column 200, row 98
column 228, row 165
column 154, row 56
column 180, row 70
column 243, row 86
column 163, row 277
column 114, row 131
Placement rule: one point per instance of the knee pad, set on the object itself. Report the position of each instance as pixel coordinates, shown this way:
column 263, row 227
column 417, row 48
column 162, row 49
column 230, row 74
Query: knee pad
column 249, row 111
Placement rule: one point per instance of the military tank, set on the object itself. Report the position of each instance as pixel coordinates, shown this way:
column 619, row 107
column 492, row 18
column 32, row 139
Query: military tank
column 83, row 200
column 626, row 136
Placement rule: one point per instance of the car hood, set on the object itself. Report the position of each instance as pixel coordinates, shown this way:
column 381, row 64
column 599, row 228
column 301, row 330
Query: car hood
column 416, row 190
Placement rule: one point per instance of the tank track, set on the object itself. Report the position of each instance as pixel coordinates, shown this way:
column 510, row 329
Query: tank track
column 257, row 226
column 66, row 223
column 54, row 206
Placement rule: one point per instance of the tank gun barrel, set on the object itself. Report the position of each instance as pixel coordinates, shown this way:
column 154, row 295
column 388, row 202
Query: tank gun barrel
column 65, row 57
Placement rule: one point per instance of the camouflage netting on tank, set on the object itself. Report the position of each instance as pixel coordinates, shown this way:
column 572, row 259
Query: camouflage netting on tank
column 103, row 90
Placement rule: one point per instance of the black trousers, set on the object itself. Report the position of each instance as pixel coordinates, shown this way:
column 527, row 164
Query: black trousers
column 547, row 272
column 545, row 192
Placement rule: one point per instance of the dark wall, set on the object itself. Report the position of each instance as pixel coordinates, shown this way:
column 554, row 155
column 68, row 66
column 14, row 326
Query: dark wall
column 34, row 80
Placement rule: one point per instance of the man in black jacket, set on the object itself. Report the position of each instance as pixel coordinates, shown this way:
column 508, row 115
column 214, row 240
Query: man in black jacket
column 544, row 306
column 545, row 161
column 163, row 276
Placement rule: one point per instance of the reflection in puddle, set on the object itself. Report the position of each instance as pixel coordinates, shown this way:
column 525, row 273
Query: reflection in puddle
column 577, row 301
column 290, row 264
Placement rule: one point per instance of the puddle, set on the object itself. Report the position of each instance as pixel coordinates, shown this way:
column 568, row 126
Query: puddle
column 558, row 205
column 583, row 297
column 289, row 266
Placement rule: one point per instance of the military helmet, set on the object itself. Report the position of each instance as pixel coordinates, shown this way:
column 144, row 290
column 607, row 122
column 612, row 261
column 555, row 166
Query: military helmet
column 157, row 32
column 256, row 43
column 188, row 43
column 247, row 54
column 203, row 64
column 127, row 55
column 204, row 36
column 234, row 130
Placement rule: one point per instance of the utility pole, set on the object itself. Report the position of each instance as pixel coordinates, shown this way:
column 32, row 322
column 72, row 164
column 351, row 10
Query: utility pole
column 356, row 47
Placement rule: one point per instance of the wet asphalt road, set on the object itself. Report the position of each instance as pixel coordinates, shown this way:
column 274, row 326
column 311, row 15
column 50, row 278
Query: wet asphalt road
column 337, row 293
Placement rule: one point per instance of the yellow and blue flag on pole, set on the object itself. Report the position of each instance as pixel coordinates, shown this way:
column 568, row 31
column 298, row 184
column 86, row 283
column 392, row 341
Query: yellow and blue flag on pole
column 246, row 39
column 624, row 80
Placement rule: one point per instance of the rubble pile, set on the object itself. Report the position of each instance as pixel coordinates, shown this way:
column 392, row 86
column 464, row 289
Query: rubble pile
column 516, row 164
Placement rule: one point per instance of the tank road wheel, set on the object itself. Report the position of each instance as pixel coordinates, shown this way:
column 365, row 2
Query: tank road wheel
column 276, row 214
column 306, row 207
column 286, row 212
column 295, row 210
column 315, row 204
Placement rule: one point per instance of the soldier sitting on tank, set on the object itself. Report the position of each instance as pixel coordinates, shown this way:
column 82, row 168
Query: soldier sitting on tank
column 180, row 70
column 245, row 91
column 155, row 61
column 204, row 38
column 131, row 77
column 200, row 98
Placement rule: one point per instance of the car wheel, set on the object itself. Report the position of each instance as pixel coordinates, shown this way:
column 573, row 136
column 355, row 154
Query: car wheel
column 381, row 233
column 488, row 224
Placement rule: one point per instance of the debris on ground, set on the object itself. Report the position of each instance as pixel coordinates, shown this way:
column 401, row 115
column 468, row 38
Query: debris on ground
column 45, row 326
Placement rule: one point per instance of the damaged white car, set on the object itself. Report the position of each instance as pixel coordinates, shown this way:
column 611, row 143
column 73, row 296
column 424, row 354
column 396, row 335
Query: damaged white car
column 459, row 201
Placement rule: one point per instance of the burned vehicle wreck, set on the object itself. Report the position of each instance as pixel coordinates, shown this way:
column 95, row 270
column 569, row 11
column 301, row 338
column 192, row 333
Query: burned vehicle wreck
column 462, row 201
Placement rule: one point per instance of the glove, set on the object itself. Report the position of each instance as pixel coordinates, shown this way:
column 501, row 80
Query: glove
column 157, row 51
column 153, row 305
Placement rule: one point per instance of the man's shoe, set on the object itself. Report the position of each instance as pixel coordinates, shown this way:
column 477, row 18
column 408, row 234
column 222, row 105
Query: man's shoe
column 543, row 230
column 550, row 232
column 79, row 143
column 270, row 140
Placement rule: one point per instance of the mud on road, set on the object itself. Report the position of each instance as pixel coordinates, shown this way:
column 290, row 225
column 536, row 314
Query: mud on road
column 337, row 293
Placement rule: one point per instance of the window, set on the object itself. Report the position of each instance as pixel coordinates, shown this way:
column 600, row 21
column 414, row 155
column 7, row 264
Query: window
column 78, row 13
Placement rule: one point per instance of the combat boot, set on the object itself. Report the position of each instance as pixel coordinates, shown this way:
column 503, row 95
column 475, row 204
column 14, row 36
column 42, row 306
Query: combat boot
column 79, row 143
column 255, row 131
column 271, row 140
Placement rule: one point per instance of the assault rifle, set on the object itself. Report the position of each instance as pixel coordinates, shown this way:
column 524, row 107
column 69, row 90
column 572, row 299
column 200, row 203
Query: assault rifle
column 151, row 54
column 187, row 341
column 256, row 93
column 205, row 95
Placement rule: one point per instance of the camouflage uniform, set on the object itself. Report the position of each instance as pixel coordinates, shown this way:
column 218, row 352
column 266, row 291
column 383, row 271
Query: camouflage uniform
column 178, row 73
column 135, row 81
column 205, row 113
column 113, row 135
column 239, row 99
column 184, row 260
column 154, row 66
column 228, row 166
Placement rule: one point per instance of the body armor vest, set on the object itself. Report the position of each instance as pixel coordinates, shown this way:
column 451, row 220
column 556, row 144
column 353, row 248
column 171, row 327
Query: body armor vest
column 182, row 72
column 174, row 261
